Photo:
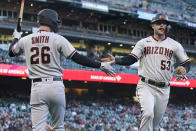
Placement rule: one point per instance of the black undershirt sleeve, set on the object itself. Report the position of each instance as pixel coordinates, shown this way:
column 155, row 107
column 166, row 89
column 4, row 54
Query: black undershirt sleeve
column 11, row 54
column 187, row 66
column 126, row 60
column 85, row 61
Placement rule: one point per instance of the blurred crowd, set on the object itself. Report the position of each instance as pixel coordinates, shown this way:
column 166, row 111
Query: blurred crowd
column 14, row 116
column 99, row 113
column 176, row 9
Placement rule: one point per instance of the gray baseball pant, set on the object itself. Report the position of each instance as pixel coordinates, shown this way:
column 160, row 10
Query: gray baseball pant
column 47, row 98
column 153, row 101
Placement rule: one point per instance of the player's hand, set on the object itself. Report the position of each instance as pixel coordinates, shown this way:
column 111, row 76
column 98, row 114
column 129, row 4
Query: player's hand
column 17, row 34
column 180, row 73
column 110, row 58
column 107, row 68
column 48, row 127
column 180, row 70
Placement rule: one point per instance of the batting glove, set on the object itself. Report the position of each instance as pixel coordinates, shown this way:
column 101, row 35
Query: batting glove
column 180, row 70
column 180, row 73
column 17, row 34
column 107, row 68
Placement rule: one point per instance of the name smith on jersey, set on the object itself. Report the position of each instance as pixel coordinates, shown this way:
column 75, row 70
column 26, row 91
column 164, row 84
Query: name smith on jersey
column 40, row 39
column 158, row 50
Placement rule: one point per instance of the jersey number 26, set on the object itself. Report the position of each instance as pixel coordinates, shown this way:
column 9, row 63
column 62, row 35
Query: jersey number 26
column 45, row 56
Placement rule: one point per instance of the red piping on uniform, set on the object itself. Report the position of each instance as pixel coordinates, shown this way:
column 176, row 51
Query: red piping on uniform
column 134, row 56
column 184, row 62
column 72, row 54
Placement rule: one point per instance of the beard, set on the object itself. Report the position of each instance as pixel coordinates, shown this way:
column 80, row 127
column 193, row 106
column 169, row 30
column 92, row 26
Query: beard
column 160, row 32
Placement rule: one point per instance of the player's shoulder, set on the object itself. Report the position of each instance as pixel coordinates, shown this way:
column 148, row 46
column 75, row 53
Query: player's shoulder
column 172, row 41
column 26, row 37
column 30, row 35
column 60, row 40
column 144, row 40
column 57, row 36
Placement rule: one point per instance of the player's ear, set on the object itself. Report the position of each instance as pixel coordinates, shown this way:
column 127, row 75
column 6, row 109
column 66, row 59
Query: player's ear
column 168, row 28
column 152, row 25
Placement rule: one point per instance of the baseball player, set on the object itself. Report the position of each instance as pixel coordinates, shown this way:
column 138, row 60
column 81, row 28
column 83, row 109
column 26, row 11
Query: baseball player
column 157, row 55
column 43, row 50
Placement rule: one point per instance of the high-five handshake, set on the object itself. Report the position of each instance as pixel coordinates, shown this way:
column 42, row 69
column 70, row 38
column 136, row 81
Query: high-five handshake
column 106, row 65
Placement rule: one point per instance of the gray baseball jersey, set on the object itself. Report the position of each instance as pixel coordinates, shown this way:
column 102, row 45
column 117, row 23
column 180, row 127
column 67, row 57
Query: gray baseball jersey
column 158, row 57
column 43, row 51
column 156, row 64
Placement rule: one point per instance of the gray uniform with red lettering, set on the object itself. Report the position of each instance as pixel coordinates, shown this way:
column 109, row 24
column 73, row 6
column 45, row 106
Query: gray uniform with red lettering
column 43, row 51
column 157, row 59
